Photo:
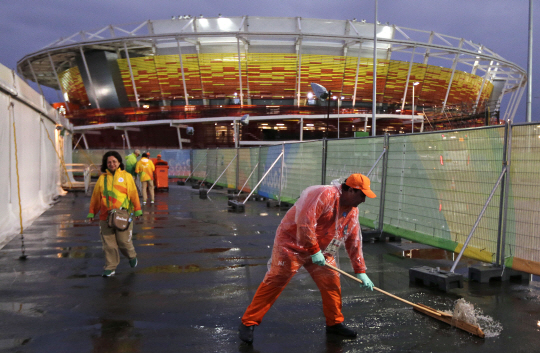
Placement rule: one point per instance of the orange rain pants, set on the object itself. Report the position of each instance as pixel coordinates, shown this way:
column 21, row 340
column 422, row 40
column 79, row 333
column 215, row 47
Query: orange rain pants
column 283, row 268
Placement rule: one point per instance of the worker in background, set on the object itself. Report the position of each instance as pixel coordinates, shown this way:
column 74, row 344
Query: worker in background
column 145, row 170
column 131, row 161
column 160, row 161
column 310, row 234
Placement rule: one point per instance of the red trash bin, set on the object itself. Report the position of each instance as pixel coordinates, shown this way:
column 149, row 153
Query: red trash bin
column 161, row 177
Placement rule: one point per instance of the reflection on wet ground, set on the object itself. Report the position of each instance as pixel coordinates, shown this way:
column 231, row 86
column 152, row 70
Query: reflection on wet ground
column 199, row 267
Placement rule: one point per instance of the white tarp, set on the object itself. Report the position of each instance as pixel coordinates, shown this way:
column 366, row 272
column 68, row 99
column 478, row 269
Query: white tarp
column 29, row 150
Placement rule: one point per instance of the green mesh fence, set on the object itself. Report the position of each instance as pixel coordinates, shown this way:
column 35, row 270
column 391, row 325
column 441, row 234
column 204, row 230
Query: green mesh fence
column 302, row 168
column 348, row 156
column 437, row 185
column 248, row 168
column 200, row 164
column 270, row 186
column 226, row 167
column 212, row 165
column 522, row 243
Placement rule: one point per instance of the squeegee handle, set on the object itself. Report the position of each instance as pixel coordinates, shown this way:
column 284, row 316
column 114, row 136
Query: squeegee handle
column 436, row 312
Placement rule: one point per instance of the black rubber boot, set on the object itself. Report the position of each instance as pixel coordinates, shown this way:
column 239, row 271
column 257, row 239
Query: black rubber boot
column 342, row 330
column 246, row 333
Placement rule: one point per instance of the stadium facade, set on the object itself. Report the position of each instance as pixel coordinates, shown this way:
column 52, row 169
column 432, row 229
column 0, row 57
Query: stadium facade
column 149, row 83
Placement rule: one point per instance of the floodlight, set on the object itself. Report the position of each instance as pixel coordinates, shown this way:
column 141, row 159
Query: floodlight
column 245, row 119
column 319, row 91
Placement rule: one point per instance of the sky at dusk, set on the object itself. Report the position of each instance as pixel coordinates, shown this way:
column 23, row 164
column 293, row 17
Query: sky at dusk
column 501, row 25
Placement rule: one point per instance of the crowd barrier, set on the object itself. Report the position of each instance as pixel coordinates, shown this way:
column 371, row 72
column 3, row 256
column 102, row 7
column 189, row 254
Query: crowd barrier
column 32, row 139
column 431, row 187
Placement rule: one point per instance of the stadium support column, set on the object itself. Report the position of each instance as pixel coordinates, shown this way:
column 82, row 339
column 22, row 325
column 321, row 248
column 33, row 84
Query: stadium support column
column 131, row 75
column 374, row 103
column 407, row 81
column 454, row 64
column 154, row 51
column 356, row 76
column 35, row 77
column 299, row 70
column 183, row 75
column 92, row 87
column 486, row 76
column 57, row 80
column 240, row 74
column 426, row 54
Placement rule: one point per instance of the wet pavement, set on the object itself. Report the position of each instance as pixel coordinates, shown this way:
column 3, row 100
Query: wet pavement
column 199, row 266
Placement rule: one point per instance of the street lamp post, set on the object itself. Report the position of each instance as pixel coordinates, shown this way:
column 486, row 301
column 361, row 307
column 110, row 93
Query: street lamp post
column 412, row 116
column 322, row 93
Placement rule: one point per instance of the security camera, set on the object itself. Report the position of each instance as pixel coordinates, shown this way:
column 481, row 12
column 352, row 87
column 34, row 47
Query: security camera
column 190, row 131
column 245, row 119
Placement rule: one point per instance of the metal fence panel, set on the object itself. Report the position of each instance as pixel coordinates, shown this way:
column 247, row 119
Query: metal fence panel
column 302, row 168
column 345, row 157
column 437, row 185
column 179, row 162
column 270, row 186
column 522, row 245
column 223, row 160
column 200, row 164
column 247, row 165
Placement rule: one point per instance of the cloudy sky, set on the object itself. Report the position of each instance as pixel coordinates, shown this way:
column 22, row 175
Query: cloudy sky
column 501, row 25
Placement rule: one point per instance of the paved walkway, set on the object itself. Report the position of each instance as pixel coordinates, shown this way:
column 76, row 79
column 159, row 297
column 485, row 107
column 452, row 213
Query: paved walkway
column 199, row 266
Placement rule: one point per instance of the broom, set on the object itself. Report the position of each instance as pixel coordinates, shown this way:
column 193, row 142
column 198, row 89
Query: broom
column 424, row 309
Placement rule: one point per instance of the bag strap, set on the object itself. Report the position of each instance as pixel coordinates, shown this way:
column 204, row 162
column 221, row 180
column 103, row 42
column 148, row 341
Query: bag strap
column 107, row 192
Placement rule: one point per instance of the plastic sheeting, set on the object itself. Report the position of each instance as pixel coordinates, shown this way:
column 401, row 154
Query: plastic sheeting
column 26, row 119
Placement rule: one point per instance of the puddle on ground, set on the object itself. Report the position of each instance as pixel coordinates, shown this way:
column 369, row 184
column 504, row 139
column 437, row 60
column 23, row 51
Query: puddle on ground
column 82, row 276
column 75, row 252
column 213, row 250
column 117, row 336
column 166, row 245
column 189, row 268
column 13, row 342
column 27, row 309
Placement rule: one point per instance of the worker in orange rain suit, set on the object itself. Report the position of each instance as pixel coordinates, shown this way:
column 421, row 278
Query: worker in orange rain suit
column 145, row 170
column 115, row 188
column 324, row 217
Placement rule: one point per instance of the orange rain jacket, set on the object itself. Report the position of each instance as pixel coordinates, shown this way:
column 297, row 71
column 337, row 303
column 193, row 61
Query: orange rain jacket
column 145, row 168
column 120, row 190
column 310, row 225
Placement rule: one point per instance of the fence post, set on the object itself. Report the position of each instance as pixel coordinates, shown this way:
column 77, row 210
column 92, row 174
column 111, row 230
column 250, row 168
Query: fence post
column 506, row 187
column 281, row 174
column 501, row 198
column 258, row 168
column 237, row 179
column 324, row 155
column 383, row 183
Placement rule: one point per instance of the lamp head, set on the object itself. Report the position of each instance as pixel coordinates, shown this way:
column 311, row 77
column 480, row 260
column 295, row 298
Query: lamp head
column 245, row 119
column 319, row 91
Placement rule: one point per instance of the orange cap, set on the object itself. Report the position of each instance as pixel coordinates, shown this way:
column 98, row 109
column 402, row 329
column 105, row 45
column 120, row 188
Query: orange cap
column 361, row 182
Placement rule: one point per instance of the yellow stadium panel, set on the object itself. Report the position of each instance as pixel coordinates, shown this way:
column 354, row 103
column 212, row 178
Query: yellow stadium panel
column 72, row 83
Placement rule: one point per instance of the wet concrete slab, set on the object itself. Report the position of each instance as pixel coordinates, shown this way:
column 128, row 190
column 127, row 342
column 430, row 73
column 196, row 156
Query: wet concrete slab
column 199, row 266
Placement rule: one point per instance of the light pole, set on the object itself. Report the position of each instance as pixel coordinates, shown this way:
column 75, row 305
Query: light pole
column 412, row 117
column 322, row 93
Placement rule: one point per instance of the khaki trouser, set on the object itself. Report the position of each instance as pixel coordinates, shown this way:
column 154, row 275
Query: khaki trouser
column 116, row 241
column 150, row 184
